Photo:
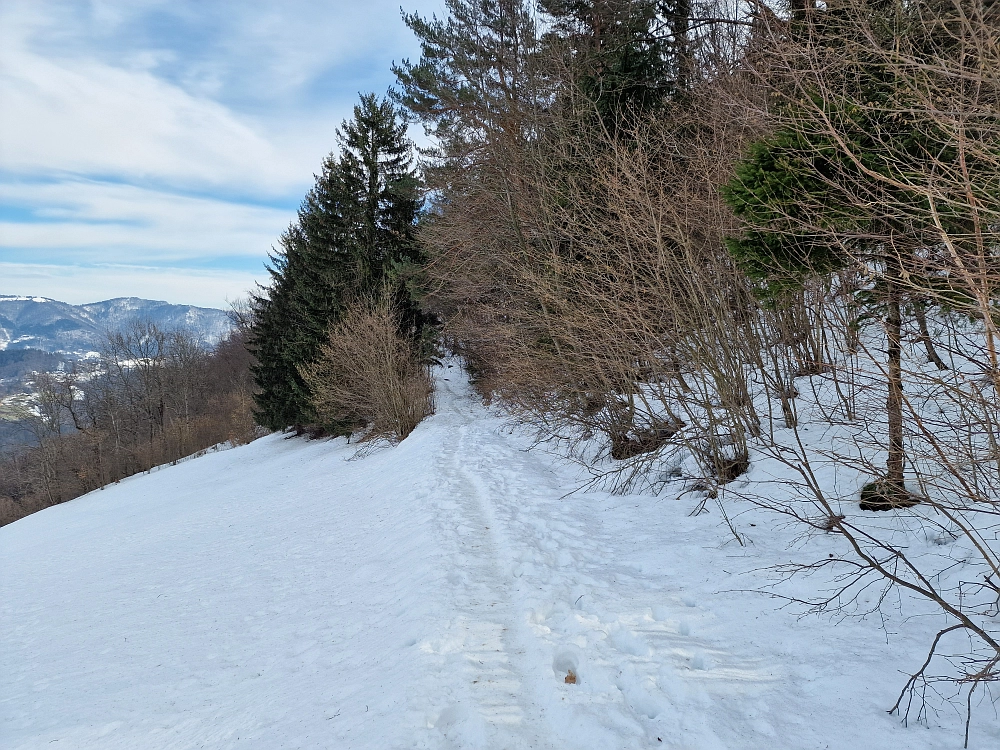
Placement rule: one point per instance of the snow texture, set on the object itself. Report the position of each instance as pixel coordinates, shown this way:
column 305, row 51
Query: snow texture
column 289, row 594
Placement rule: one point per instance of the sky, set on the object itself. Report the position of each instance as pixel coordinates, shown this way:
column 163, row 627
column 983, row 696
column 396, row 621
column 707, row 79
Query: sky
column 158, row 148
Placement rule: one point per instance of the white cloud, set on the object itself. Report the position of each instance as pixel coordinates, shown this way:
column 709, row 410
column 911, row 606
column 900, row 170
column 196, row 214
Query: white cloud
column 82, row 284
column 86, row 117
column 100, row 103
column 104, row 222
column 143, row 132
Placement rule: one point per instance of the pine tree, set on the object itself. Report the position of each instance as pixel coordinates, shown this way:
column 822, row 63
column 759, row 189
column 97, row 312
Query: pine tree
column 474, row 79
column 633, row 54
column 355, row 226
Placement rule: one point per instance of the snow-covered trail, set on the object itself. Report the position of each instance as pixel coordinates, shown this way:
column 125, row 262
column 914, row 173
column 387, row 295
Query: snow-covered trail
column 433, row 595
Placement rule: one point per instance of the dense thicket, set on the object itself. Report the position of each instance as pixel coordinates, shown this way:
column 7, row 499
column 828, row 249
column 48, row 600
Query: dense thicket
column 651, row 221
column 627, row 56
column 18, row 362
column 154, row 397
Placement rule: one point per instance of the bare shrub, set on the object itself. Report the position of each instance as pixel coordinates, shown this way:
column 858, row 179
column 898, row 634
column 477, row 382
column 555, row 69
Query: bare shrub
column 585, row 277
column 368, row 374
column 602, row 282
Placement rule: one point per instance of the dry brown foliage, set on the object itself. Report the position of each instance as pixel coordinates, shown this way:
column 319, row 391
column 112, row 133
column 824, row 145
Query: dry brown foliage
column 370, row 375
column 156, row 398
column 583, row 275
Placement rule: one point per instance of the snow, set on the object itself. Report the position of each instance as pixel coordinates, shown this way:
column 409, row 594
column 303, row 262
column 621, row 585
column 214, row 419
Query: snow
column 438, row 594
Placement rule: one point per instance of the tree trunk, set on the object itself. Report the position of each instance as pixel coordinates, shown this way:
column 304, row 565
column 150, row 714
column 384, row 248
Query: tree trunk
column 894, row 403
column 680, row 29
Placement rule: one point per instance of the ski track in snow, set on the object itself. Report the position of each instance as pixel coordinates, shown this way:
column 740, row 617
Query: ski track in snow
column 434, row 595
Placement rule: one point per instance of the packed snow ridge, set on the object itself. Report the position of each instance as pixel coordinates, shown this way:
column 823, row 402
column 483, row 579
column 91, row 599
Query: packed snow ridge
column 444, row 593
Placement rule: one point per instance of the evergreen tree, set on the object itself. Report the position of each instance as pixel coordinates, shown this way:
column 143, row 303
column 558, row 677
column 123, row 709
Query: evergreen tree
column 843, row 182
column 632, row 53
column 473, row 80
column 798, row 193
column 354, row 228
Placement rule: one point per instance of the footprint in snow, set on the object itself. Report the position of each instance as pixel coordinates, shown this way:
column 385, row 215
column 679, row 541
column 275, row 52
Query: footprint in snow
column 661, row 612
column 463, row 726
column 641, row 700
column 628, row 642
column 701, row 662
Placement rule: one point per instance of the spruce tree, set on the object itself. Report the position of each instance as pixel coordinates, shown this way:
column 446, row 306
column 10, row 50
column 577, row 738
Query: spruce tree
column 474, row 79
column 633, row 54
column 355, row 226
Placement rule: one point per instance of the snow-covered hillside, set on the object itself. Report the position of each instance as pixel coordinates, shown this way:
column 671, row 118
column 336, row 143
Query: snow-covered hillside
column 433, row 595
column 75, row 330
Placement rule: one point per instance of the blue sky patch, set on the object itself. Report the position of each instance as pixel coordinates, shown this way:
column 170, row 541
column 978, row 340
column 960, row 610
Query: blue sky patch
column 163, row 146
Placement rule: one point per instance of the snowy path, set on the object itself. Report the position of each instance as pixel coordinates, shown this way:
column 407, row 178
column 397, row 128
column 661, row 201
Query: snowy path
column 434, row 595
column 492, row 706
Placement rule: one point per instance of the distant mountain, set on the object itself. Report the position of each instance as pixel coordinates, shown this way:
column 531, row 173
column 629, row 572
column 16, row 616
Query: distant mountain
column 75, row 330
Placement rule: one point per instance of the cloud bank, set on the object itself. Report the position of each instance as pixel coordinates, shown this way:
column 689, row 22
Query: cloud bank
column 144, row 142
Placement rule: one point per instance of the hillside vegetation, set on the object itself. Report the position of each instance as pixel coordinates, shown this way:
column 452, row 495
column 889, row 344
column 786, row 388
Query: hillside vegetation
column 152, row 397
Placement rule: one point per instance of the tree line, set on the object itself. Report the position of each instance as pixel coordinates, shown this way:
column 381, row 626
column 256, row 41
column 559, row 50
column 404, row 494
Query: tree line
column 670, row 234
column 336, row 333
column 154, row 396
